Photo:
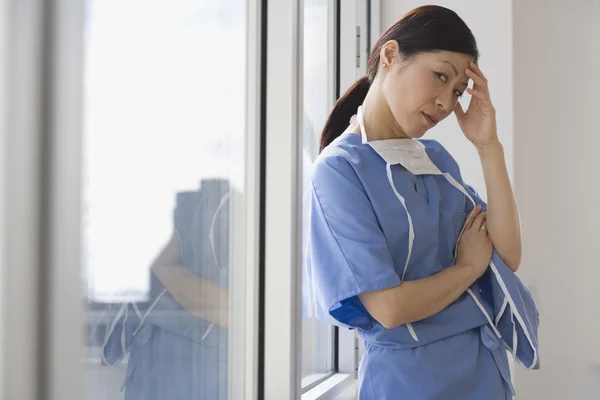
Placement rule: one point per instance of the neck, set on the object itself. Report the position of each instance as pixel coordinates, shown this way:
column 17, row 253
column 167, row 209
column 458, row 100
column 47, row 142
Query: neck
column 380, row 123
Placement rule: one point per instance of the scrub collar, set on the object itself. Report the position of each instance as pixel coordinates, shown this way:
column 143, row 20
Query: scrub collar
column 410, row 153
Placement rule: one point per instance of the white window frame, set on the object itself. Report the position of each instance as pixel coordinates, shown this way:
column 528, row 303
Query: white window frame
column 41, row 47
column 282, row 290
column 334, row 6
column 283, row 218
column 41, row 264
column 43, row 311
column 20, row 135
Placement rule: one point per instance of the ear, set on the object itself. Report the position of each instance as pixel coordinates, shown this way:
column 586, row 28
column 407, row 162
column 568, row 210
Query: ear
column 389, row 52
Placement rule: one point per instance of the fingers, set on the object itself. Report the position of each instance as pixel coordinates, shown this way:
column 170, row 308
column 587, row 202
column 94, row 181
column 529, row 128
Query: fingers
column 458, row 111
column 477, row 93
column 477, row 70
column 479, row 221
column 472, row 215
column 479, row 82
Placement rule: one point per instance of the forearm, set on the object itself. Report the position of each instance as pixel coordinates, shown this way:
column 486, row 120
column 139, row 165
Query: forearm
column 502, row 218
column 416, row 300
column 197, row 295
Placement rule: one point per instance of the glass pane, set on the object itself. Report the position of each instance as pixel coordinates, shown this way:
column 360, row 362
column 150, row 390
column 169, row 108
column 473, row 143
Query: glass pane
column 164, row 140
column 317, row 337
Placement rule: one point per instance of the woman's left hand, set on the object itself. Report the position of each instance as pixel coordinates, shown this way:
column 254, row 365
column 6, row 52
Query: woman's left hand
column 478, row 123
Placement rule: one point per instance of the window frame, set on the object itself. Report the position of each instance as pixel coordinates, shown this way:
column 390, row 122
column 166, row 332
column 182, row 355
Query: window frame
column 333, row 35
column 352, row 17
column 21, row 133
column 284, row 191
column 44, row 47
column 282, row 289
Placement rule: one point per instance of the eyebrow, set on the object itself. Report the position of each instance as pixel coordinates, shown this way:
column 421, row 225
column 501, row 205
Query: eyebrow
column 465, row 84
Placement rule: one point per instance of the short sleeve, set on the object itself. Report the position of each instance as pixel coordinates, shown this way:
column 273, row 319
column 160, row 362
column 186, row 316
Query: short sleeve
column 348, row 252
column 478, row 200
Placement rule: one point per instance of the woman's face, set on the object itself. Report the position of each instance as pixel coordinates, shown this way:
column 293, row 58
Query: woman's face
column 424, row 90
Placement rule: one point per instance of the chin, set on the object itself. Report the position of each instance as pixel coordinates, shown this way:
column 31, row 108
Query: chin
column 418, row 133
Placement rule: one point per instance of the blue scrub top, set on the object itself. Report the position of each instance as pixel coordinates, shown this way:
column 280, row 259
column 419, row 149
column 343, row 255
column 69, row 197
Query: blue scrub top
column 172, row 353
column 359, row 242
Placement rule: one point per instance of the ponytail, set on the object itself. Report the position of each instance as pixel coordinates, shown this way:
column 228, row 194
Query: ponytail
column 345, row 107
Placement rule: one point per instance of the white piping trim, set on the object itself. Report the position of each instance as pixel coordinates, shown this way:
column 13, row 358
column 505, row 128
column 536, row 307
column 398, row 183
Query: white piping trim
column 507, row 296
column 123, row 332
column 484, row 311
column 460, row 187
column 502, row 309
column 361, row 124
column 411, row 230
column 211, row 234
column 457, row 185
column 210, row 327
column 411, row 238
column 137, row 310
column 516, row 314
column 110, row 331
column 114, row 323
column 515, row 337
column 411, row 329
column 211, row 237
column 519, row 362
column 149, row 310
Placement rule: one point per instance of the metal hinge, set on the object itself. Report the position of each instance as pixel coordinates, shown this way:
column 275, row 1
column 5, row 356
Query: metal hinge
column 356, row 354
column 357, row 46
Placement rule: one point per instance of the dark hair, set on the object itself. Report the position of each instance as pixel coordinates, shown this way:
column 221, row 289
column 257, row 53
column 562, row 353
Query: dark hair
column 424, row 29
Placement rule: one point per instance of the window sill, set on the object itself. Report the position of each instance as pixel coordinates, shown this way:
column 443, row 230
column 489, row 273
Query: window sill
column 338, row 387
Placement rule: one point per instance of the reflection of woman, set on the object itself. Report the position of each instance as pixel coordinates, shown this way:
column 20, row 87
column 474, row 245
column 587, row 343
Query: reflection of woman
column 177, row 346
column 387, row 213
column 199, row 296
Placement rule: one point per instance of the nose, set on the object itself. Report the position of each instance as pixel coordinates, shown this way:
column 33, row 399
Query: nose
column 444, row 102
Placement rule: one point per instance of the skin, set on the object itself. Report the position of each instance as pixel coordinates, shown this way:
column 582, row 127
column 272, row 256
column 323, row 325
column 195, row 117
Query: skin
column 199, row 296
column 402, row 93
column 404, row 90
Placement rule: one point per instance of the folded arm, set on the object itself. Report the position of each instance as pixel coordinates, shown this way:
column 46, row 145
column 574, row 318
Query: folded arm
column 416, row 300
column 199, row 296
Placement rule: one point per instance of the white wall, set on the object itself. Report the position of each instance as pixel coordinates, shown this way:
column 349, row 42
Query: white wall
column 491, row 23
column 557, row 103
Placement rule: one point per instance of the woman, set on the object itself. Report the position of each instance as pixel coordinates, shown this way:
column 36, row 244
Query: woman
column 177, row 344
column 388, row 210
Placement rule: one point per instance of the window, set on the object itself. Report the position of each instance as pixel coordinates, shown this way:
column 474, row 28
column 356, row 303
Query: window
column 181, row 233
column 163, row 167
column 319, row 95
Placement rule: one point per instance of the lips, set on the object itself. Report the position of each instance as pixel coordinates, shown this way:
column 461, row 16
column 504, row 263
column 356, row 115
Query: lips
column 431, row 120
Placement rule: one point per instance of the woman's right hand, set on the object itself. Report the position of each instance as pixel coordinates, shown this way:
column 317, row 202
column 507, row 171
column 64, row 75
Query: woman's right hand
column 475, row 246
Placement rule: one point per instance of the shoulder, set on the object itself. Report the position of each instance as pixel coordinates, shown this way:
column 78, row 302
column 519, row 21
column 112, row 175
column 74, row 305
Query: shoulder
column 340, row 161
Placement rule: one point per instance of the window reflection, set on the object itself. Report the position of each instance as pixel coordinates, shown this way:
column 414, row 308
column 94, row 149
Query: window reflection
column 176, row 342
column 163, row 146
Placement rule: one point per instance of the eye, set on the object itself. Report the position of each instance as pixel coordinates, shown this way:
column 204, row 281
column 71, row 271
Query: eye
column 458, row 93
column 441, row 77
